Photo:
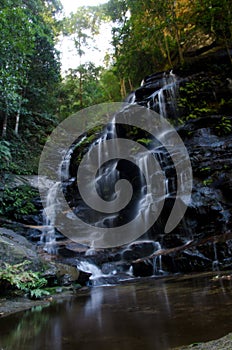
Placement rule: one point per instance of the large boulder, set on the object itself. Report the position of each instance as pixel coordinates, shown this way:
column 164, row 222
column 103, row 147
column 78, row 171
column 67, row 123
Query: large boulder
column 15, row 249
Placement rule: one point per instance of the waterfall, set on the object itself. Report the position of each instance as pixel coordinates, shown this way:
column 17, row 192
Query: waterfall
column 157, row 261
column 108, row 274
column 215, row 264
column 163, row 100
column 91, row 268
column 135, row 168
column 49, row 214
column 52, row 203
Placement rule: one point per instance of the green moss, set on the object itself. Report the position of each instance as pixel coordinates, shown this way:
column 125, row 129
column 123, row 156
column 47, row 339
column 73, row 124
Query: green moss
column 144, row 141
column 199, row 98
column 207, row 182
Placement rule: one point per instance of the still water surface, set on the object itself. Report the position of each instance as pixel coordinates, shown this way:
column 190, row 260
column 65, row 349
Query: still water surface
column 155, row 314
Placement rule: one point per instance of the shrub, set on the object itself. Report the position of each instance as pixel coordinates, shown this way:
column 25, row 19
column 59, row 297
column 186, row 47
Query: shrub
column 16, row 202
column 18, row 277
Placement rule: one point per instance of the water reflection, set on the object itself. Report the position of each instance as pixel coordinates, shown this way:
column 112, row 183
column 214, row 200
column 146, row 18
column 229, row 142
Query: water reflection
column 94, row 306
column 156, row 314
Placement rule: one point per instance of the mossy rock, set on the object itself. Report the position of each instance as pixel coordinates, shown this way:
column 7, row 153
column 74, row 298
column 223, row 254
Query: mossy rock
column 15, row 249
column 61, row 274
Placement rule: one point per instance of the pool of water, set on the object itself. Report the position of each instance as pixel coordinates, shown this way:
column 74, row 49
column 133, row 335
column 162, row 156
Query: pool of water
column 143, row 315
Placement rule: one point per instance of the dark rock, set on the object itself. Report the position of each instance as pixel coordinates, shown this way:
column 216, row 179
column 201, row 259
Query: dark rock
column 143, row 269
column 60, row 274
column 83, row 278
column 187, row 261
column 65, row 280
column 138, row 250
column 15, row 249
column 109, row 268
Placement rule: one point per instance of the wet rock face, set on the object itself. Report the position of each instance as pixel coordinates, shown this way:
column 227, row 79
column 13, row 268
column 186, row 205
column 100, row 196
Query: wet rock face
column 211, row 163
column 138, row 250
column 204, row 109
column 207, row 133
column 197, row 99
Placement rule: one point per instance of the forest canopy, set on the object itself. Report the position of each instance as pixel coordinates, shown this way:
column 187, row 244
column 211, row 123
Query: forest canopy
column 147, row 36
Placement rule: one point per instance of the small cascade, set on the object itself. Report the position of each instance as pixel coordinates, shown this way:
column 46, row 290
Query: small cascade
column 215, row 264
column 52, row 205
column 108, row 274
column 157, row 261
column 64, row 168
column 164, row 99
column 89, row 252
column 120, row 267
column 164, row 87
column 91, row 268
column 130, row 98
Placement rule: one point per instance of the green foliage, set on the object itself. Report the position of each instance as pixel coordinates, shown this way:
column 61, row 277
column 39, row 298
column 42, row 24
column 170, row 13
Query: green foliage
column 20, row 278
column 214, row 18
column 224, row 127
column 15, row 54
column 109, row 85
column 16, row 202
column 195, row 99
column 205, row 169
column 29, row 65
column 82, row 147
column 206, row 176
column 5, row 155
column 79, row 89
column 207, row 182
column 38, row 293
column 162, row 34
column 144, row 141
column 157, row 34
column 85, row 86
column 82, row 26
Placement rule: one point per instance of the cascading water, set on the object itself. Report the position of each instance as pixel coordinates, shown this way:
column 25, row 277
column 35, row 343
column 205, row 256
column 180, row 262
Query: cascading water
column 52, row 205
column 108, row 274
column 163, row 99
column 215, row 264
column 106, row 178
column 157, row 262
column 113, row 272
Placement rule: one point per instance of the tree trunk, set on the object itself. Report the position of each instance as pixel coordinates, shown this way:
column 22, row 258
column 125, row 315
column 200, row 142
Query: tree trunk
column 168, row 51
column 18, row 118
column 5, row 121
column 130, row 84
column 4, row 127
column 176, row 32
column 228, row 51
column 80, row 90
column 123, row 87
column 17, row 123
column 178, row 45
column 161, row 47
column 227, row 48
